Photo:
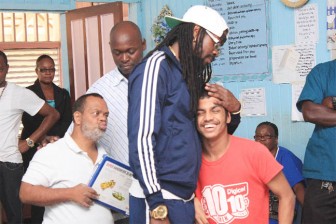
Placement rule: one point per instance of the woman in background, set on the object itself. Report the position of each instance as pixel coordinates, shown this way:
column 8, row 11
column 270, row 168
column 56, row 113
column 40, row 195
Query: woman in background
column 57, row 98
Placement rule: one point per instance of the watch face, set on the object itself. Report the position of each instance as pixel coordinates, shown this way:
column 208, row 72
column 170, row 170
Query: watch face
column 160, row 212
column 30, row 142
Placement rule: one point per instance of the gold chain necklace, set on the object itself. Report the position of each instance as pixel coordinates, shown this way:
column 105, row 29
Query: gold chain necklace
column 3, row 90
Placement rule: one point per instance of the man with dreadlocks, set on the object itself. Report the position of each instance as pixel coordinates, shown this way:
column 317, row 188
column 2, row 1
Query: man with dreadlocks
column 164, row 147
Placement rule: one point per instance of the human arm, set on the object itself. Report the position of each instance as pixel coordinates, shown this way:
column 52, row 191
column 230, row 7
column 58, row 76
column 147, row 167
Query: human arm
column 228, row 101
column 63, row 105
column 280, row 187
column 299, row 190
column 233, row 125
column 328, row 102
column 142, row 139
column 157, row 221
column 200, row 217
column 63, row 125
column 292, row 169
column 44, row 196
column 320, row 83
column 50, row 117
column 46, row 140
column 53, row 138
column 318, row 114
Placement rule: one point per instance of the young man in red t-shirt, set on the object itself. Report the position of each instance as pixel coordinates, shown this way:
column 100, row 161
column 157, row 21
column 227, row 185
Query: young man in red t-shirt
column 236, row 174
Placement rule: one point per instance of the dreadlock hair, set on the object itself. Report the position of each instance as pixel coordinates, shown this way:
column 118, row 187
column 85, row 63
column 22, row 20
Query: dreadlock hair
column 194, row 72
column 270, row 124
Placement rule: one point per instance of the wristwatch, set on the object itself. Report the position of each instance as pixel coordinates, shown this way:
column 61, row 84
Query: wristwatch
column 334, row 102
column 30, row 142
column 160, row 212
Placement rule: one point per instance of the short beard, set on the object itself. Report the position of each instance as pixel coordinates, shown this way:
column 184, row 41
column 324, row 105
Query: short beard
column 94, row 134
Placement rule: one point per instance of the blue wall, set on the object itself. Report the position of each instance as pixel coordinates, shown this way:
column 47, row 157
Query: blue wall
column 37, row 5
column 293, row 135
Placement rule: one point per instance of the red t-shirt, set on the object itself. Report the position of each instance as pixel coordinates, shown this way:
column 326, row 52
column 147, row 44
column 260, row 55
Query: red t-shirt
column 233, row 189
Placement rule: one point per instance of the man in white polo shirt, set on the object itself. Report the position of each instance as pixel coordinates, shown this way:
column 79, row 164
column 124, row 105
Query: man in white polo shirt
column 58, row 174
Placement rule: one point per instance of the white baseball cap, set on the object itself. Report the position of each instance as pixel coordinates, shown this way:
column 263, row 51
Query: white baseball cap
column 203, row 16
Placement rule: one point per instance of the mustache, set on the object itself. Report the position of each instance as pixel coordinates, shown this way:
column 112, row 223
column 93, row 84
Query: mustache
column 210, row 123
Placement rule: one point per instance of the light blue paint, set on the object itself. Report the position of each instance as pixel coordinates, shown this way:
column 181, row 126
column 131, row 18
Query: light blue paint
column 293, row 135
column 64, row 54
column 37, row 5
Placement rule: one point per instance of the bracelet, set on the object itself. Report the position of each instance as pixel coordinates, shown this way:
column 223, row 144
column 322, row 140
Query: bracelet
column 235, row 113
column 333, row 99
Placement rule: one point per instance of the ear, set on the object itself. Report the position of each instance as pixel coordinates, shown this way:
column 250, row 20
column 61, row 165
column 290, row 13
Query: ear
column 228, row 117
column 277, row 140
column 77, row 117
column 196, row 32
column 144, row 44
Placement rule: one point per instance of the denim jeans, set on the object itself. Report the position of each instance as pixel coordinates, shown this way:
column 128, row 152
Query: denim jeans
column 10, row 181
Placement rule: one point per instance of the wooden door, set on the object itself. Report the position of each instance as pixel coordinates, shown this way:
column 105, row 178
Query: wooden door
column 89, row 52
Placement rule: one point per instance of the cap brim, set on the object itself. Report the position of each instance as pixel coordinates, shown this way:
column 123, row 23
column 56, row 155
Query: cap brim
column 173, row 21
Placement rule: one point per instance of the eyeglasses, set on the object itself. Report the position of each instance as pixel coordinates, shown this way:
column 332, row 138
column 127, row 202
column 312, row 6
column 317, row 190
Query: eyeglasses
column 45, row 70
column 217, row 41
column 263, row 137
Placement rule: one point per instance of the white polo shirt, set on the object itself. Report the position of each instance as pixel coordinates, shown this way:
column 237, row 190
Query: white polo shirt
column 63, row 165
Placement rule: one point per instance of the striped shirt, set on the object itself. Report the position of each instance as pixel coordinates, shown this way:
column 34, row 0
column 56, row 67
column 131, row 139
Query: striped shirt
column 113, row 86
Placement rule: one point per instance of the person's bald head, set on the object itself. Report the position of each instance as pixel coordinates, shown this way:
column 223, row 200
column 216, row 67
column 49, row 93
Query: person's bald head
column 127, row 46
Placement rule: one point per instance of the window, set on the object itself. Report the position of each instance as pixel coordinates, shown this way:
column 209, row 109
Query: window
column 26, row 36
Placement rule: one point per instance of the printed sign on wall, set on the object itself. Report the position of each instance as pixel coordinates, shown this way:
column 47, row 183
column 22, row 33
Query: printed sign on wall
column 245, row 54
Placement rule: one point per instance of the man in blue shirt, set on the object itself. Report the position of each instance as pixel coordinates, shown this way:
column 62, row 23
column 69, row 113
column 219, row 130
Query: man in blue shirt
column 320, row 158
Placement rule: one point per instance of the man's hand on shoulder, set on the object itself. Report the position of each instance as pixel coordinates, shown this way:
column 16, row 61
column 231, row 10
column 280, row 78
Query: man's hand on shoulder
column 83, row 195
column 46, row 140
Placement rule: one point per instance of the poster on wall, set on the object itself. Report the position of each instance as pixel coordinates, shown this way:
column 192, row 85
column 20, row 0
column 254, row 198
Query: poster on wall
column 253, row 102
column 306, row 24
column 331, row 24
column 245, row 55
column 292, row 63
